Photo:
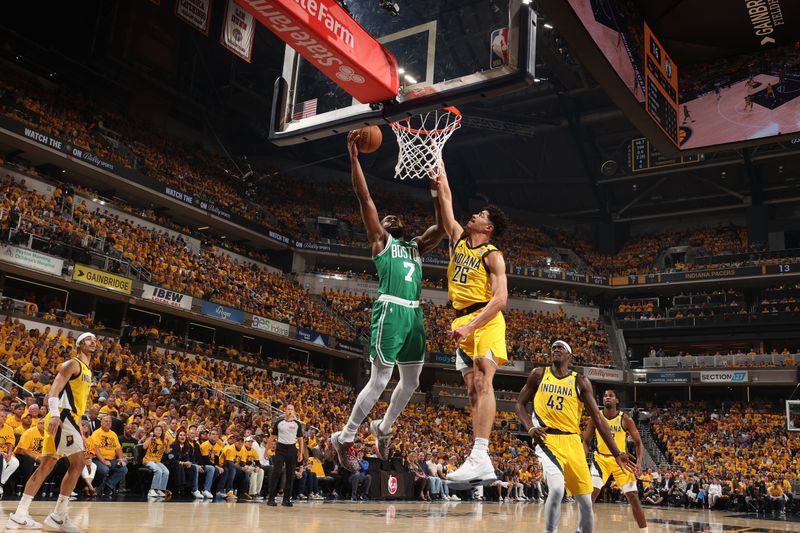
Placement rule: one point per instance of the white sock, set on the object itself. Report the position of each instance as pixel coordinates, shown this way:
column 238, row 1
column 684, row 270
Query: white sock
column 24, row 505
column 643, row 530
column 480, row 448
column 61, row 505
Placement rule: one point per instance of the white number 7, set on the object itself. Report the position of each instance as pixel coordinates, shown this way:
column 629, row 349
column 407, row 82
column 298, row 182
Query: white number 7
column 411, row 268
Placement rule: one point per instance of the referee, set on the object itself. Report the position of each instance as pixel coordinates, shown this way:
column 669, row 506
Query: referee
column 289, row 433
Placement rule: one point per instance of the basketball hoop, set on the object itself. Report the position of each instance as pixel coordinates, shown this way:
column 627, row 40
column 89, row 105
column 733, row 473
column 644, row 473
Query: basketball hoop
column 421, row 139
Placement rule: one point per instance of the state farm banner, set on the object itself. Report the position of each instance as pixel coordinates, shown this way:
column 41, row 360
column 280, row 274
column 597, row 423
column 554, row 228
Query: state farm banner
column 327, row 36
column 723, row 376
column 604, row 374
column 195, row 13
column 165, row 297
column 238, row 28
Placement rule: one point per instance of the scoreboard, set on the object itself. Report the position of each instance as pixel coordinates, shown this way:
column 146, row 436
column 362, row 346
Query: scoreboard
column 643, row 156
column 661, row 86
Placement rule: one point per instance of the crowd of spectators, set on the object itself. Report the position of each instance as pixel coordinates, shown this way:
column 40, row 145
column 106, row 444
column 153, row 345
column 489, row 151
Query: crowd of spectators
column 529, row 333
column 745, row 450
column 175, row 389
column 169, row 260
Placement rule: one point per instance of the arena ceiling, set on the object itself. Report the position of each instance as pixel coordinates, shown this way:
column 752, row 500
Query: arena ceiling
column 541, row 150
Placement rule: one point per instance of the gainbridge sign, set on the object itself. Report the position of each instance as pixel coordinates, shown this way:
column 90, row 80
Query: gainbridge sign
column 327, row 36
column 92, row 276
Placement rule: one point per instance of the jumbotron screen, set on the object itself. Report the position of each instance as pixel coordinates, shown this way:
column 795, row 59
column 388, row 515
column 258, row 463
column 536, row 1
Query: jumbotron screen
column 743, row 97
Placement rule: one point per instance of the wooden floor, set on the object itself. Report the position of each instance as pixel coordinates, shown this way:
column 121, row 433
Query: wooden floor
column 324, row 517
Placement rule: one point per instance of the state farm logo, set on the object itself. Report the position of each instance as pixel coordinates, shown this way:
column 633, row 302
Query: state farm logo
column 391, row 484
column 348, row 74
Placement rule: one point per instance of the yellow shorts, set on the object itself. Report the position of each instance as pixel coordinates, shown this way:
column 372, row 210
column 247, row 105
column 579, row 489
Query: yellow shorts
column 562, row 456
column 604, row 466
column 488, row 339
column 67, row 441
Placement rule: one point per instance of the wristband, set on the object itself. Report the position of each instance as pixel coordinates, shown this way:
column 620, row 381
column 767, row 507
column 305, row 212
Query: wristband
column 531, row 429
column 434, row 193
column 52, row 404
column 618, row 454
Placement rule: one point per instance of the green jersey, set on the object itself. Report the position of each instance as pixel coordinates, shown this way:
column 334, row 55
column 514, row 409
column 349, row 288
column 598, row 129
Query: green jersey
column 399, row 268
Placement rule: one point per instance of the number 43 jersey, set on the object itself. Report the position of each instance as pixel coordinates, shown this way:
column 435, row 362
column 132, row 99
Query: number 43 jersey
column 399, row 268
column 557, row 404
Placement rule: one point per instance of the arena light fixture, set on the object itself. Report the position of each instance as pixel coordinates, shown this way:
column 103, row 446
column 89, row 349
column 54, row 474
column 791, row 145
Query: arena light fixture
column 548, row 25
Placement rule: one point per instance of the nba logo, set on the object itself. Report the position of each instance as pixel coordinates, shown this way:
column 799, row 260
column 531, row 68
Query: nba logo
column 499, row 48
column 392, row 485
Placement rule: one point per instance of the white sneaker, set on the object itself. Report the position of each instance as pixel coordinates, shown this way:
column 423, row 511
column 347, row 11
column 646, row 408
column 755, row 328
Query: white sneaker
column 197, row 494
column 63, row 523
column 454, row 498
column 22, row 522
column 474, row 471
column 160, row 493
column 152, row 493
column 539, row 500
column 208, row 495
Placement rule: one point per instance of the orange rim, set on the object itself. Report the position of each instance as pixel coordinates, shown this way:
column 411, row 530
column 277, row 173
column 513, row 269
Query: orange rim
column 399, row 124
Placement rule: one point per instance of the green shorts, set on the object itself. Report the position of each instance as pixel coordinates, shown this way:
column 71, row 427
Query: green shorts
column 398, row 334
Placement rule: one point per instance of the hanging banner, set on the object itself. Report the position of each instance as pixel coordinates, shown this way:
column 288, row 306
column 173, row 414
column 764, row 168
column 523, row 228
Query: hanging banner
column 165, row 297
column 30, row 259
column 195, row 13
column 271, row 326
column 222, row 312
column 604, row 374
column 92, row 276
column 238, row 29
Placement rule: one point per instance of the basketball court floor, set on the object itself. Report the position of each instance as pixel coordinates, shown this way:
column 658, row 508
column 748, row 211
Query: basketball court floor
column 439, row 517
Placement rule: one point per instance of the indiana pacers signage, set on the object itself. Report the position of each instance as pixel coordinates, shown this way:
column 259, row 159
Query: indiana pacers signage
column 99, row 278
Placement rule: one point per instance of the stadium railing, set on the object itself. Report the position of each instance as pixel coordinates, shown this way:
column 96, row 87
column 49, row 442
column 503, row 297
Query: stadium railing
column 719, row 361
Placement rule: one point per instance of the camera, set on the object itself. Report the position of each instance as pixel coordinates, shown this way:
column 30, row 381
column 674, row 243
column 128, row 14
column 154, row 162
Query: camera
column 392, row 7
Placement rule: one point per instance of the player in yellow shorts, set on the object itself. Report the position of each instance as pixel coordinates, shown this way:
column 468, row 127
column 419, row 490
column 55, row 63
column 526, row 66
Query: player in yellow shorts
column 603, row 464
column 66, row 402
column 478, row 291
column 559, row 396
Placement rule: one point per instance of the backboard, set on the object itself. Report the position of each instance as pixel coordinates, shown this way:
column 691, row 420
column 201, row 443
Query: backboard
column 448, row 52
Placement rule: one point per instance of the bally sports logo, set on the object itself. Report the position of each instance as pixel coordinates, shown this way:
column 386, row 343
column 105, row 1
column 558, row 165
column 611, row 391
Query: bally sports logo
column 391, row 485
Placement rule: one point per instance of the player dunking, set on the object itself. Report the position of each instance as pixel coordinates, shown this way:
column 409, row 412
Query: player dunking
column 559, row 396
column 398, row 332
column 66, row 401
column 603, row 464
column 476, row 285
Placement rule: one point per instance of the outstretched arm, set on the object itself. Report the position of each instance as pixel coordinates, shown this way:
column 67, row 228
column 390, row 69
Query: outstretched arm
column 434, row 234
column 496, row 266
column 376, row 235
column 630, row 427
column 451, row 227
column 587, row 397
column 538, row 434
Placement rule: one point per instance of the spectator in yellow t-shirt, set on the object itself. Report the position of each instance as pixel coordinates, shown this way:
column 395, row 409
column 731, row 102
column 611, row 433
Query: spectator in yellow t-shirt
column 253, row 467
column 775, row 498
column 231, row 459
column 155, row 445
column 34, row 385
column 111, row 465
column 7, row 440
column 29, row 451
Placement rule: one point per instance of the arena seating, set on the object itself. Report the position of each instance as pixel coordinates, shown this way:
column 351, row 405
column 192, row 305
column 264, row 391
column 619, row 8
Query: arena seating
column 529, row 333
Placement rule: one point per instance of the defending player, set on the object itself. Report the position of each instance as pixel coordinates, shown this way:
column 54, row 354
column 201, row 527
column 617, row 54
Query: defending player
column 559, row 396
column 66, row 402
column 476, row 285
column 398, row 332
column 603, row 464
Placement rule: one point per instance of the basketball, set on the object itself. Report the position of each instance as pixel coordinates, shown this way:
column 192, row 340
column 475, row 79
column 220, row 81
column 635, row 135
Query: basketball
column 370, row 139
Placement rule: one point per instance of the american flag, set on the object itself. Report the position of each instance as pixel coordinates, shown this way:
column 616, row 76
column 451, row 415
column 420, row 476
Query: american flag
column 305, row 109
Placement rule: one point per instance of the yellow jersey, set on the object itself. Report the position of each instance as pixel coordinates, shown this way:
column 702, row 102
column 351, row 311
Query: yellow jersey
column 155, row 451
column 75, row 395
column 468, row 279
column 617, row 430
column 556, row 404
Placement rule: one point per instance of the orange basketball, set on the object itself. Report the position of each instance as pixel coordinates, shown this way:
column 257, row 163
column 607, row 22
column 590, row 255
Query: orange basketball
column 370, row 139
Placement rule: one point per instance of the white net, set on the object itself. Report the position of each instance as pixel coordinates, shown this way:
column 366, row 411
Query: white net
column 421, row 139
